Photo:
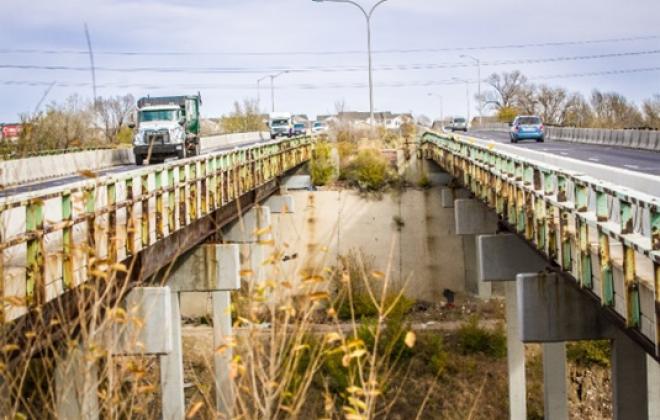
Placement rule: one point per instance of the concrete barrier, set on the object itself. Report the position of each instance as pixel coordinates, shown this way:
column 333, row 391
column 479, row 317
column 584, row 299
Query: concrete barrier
column 25, row 171
column 633, row 139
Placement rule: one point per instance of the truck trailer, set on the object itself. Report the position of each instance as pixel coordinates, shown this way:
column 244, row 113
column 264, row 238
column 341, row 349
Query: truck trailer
column 167, row 127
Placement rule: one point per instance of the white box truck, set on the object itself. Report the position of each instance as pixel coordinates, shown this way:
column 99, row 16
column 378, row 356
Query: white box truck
column 280, row 124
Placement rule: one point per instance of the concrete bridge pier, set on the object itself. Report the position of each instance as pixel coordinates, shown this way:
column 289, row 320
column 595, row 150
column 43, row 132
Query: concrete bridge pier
column 210, row 270
column 473, row 218
column 500, row 258
column 146, row 332
column 551, row 310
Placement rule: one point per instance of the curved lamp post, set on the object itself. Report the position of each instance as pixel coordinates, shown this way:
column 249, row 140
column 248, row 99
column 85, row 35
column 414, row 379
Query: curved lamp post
column 367, row 15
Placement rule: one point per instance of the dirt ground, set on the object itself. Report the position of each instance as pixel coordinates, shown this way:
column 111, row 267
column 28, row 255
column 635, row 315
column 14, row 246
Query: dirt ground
column 471, row 386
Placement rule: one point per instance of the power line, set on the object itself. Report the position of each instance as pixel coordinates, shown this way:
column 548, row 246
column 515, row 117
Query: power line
column 340, row 52
column 309, row 86
column 327, row 69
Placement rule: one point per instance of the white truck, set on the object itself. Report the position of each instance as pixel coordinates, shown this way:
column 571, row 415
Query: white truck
column 280, row 124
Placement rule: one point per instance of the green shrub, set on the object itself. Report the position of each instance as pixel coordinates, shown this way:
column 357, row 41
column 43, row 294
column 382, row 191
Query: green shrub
column 587, row 353
column 321, row 167
column 369, row 171
column 424, row 182
column 430, row 348
column 474, row 339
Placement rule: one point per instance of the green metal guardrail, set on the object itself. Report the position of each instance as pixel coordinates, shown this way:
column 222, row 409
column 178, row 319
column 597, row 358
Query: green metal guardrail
column 605, row 236
column 54, row 240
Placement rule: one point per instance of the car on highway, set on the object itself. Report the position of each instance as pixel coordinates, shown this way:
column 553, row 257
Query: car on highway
column 319, row 127
column 527, row 127
column 299, row 129
column 458, row 124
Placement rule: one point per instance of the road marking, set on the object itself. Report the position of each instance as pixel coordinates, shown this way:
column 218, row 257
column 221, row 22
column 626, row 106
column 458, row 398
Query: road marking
column 563, row 153
column 632, row 166
column 594, row 159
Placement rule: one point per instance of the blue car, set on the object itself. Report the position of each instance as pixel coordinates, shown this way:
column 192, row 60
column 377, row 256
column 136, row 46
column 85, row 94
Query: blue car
column 527, row 127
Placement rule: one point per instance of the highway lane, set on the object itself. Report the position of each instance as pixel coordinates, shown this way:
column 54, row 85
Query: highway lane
column 60, row 181
column 631, row 159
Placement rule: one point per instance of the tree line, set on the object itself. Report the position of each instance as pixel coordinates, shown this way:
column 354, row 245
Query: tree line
column 511, row 93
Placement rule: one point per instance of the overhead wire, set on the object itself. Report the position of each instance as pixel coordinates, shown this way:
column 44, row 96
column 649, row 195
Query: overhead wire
column 331, row 69
column 311, row 86
column 47, row 51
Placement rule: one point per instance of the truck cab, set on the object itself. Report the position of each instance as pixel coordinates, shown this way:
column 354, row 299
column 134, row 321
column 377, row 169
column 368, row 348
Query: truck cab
column 167, row 127
column 280, row 124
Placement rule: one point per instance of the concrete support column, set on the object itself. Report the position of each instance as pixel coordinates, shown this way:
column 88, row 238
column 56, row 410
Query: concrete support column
column 555, row 397
column 76, row 385
column 515, row 354
column 653, row 378
column 629, row 379
column 281, row 204
column 222, row 335
column 171, row 368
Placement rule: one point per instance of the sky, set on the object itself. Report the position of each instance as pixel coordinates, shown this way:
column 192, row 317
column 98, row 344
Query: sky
column 229, row 44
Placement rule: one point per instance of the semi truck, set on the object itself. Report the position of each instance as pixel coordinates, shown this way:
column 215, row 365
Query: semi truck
column 167, row 126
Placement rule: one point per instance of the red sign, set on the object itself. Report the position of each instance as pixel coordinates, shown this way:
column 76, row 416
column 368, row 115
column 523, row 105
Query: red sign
column 10, row 131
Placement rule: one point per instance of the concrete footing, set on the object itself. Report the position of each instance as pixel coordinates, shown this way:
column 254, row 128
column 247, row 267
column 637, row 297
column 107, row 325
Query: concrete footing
column 448, row 195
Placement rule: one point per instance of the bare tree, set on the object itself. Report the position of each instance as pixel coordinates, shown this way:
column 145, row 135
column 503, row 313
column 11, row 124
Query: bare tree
column 651, row 110
column 506, row 89
column 612, row 110
column 576, row 112
column 526, row 99
column 114, row 113
column 552, row 103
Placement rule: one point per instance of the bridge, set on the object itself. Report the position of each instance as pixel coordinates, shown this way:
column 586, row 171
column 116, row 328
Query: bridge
column 577, row 246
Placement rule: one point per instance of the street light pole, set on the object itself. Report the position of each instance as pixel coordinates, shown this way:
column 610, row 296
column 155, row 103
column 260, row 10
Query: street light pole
column 272, row 87
column 481, row 105
column 367, row 16
column 467, row 95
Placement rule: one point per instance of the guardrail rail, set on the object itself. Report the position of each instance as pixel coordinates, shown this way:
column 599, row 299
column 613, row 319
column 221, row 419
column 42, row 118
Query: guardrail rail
column 56, row 239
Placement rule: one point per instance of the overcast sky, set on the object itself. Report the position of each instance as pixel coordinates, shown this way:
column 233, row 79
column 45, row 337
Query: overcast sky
column 327, row 39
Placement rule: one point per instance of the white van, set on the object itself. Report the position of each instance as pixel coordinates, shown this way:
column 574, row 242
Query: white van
column 280, row 124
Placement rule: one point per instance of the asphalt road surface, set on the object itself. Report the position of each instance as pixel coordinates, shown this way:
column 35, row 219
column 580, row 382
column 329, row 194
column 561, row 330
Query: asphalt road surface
column 631, row 159
column 69, row 179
